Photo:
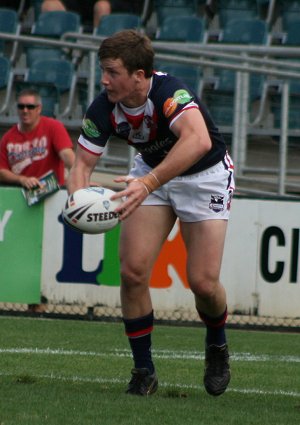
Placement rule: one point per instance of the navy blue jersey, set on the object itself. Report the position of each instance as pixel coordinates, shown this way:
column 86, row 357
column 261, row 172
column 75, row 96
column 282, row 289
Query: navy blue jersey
column 148, row 127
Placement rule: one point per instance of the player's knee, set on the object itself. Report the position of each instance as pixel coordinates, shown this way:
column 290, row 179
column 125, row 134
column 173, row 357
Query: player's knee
column 132, row 277
column 205, row 288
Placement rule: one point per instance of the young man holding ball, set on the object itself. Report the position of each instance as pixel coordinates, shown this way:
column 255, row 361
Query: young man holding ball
column 182, row 171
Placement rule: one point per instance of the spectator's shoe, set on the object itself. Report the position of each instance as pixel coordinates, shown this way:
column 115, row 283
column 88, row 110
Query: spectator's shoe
column 142, row 383
column 217, row 369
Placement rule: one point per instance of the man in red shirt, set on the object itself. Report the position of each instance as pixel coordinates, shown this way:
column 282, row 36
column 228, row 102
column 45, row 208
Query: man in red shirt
column 31, row 148
column 34, row 146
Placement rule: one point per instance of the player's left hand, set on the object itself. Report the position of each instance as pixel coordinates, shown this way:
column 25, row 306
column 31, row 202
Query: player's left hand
column 133, row 195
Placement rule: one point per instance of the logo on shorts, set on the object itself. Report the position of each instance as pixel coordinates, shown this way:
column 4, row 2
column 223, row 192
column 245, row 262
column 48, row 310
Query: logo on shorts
column 216, row 203
column 230, row 196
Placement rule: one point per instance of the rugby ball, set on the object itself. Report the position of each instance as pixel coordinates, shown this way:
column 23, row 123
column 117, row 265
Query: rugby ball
column 90, row 210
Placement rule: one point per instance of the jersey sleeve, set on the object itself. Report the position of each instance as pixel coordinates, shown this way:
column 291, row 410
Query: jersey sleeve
column 96, row 126
column 174, row 98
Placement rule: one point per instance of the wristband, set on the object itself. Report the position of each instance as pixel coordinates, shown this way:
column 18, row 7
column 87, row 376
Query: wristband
column 156, row 178
column 150, row 181
column 140, row 181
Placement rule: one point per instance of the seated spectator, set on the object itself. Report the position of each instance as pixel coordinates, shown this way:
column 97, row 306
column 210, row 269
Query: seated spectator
column 94, row 9
column 88, row 10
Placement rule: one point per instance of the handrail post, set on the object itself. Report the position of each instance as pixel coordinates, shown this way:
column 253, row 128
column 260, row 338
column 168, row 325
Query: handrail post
column 244, row 114
column 92, row 75
column 283, row 137
column 236, row 117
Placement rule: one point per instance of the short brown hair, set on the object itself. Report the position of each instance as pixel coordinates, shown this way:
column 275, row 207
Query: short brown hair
column 133, row 48
column 30, row 92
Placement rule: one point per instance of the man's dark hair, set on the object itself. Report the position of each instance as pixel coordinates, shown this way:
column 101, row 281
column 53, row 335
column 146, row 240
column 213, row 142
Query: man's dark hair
column 133, row 48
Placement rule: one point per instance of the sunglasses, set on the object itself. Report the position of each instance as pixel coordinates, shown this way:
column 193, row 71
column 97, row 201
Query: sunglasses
column 29, row 106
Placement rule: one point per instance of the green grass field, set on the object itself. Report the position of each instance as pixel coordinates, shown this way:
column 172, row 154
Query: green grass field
column 67, row 372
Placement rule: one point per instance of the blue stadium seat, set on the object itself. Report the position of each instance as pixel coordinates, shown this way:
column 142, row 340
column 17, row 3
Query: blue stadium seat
column 34, row 53
column 229, row 10
column 182, row 28
column 58, row 72
column 291, row 31
column 167, row 8
column 245, row 31
column 55, row 24
column 9, row 23
column 6, row 81
column 114, row 22
column 5, row 70
column 189, row 74
column 52, row 78
column 220, row 97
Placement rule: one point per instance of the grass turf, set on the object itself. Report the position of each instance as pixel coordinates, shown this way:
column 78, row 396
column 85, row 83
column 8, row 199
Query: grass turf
column 73, row 372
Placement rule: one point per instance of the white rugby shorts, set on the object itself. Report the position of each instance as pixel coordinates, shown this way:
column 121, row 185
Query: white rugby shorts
column 201, row 196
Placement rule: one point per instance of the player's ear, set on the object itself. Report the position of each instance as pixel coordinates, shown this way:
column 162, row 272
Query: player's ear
column 140, row 74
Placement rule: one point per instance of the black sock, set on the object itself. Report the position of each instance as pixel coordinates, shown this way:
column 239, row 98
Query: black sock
column 215, row 328
column 139, row 335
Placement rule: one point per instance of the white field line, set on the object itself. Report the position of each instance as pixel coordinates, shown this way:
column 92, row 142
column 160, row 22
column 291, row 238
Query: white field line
column 117, row 381
column 162, row 354
column 159, row 354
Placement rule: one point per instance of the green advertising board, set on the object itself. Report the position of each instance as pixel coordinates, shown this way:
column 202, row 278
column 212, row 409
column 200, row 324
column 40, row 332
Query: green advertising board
column 21, row 235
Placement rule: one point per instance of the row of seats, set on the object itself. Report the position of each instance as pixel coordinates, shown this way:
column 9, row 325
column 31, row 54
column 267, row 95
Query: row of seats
column 164, row 8
column 177, row 28
column 54, row 24
column 53, row 63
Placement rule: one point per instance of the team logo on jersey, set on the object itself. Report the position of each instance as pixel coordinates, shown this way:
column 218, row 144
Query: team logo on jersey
column 123, row 129
column 216, row 203
column 148, row 120
column 89, row 128
column 180, row 97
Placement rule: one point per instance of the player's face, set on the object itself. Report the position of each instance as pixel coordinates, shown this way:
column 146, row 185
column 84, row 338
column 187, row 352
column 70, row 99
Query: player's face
column 119, row 84
column 29, row 111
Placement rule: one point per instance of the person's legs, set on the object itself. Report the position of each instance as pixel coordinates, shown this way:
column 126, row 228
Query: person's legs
column 205, row 244
column 101, row 8
column 52, row 5
column 142, row 236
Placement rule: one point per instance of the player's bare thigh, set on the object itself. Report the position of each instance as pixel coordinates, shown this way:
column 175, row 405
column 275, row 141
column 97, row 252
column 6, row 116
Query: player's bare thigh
column 142, row 236
column 205, row 245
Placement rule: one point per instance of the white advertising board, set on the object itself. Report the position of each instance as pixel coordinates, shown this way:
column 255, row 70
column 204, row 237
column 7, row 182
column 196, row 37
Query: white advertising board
column 260, row 266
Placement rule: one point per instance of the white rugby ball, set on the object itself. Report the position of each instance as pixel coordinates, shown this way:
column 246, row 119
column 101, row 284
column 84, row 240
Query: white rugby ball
column 90, row 210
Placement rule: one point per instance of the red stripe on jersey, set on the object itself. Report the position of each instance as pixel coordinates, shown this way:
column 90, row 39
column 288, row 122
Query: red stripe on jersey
column 192, row 106
column 134, row 120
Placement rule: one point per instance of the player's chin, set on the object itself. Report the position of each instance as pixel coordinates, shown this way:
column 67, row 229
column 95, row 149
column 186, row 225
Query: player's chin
column 113, row 97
